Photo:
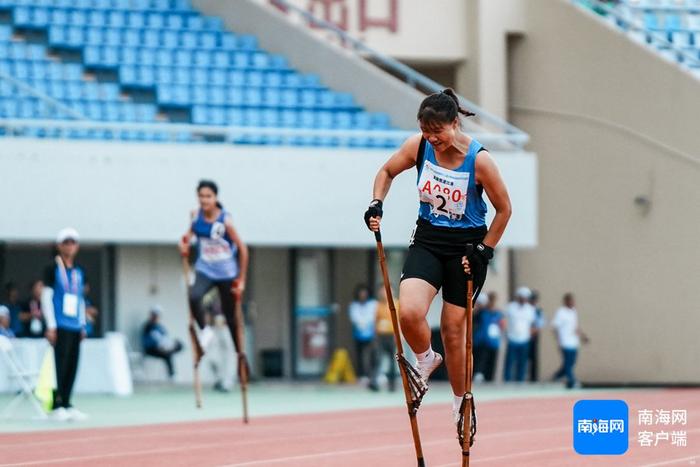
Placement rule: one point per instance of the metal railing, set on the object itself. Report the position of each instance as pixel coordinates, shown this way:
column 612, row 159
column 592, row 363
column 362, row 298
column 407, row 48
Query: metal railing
column 510, row 133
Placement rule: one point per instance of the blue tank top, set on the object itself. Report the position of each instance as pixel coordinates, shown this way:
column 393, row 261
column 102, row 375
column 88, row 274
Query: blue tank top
column 217, row 255
column 451, row 198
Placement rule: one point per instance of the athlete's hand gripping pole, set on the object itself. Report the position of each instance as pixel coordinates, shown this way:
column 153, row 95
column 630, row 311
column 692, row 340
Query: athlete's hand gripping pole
column 240, row 350
column 466, row 427
column 197, row 351
column 412, row 399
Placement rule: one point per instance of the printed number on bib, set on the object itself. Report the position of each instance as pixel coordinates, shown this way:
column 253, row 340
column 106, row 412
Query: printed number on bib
column 445, row 190
column 215, row 250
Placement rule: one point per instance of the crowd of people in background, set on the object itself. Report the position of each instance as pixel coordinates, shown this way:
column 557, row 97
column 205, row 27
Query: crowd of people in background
column 518, row 326
column 25, row 317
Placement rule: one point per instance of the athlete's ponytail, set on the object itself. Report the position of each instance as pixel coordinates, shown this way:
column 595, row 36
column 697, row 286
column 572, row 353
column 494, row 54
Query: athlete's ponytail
column 441, row 108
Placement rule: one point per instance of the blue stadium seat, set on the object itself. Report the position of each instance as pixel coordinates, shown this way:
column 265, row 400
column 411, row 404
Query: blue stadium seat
column 155, row 20
column 651, row 21
column 229, row 41
column 217, row 116
column 188, row 39
column 220, row 59
column 273, row 79
column 131, row 37
column 380, row 121
column 183, row 75
column 218, row 77
column 252, row 97
column 253, row 117
column 240, row 60
column 362, row 121
column 324, row 119
column 247, row 42
column 207, row 40
column 98, row 19
column 136, row 20
column 200, row 76
column 235, row 117
column 255, row 78
column 21, row 17
column 199, row 95
column 183, row 58
column 195, row 22
column 151, row 38
column 672, row 22
column 343, row 120
column 163, row 57
column 307, row 119
column 217, row 96
column 289, row 98
column 164, row 75
column 288, row 118
column 234, row 96
column 78, row 18
column 94, row 36
column 307, row 98
column 272, row 97
column 201, row 58
column 169, row 39
column 59, row 16
column 199, row 115
column 236, row 78
column 146, row 76
column 174, row 21
column 112, row 37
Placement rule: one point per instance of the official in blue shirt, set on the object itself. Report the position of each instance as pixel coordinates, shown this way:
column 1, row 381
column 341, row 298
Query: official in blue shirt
column 63, row 303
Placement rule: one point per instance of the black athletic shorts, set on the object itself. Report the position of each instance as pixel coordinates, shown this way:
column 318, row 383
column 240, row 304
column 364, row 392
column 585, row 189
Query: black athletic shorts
column 435, row 255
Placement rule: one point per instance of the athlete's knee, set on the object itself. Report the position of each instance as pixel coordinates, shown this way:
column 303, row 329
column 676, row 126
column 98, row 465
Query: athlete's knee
column 411, row 315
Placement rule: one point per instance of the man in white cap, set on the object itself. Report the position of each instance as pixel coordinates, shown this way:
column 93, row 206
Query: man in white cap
column 5, row 329
column 520, row 325
column 63, row 304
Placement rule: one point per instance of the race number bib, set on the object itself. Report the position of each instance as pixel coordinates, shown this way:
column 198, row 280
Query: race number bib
column 445, row 190
column 70, row 305
column 215, row 250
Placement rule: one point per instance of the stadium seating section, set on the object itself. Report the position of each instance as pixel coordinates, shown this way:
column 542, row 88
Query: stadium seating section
column 667, row 25
column 141, row 61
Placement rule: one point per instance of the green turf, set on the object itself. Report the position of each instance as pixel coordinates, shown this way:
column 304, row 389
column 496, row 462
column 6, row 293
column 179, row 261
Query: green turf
column 163, row 404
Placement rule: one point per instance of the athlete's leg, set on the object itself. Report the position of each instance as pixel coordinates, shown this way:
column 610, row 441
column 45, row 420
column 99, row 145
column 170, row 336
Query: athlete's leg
column 421, row 279
column 452, row 329
column 415, row 296
column 202, row 285
column 228, row 309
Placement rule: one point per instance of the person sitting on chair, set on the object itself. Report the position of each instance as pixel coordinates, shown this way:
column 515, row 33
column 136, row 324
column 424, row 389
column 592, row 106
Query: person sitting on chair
column 156, row 341
column 5, row 329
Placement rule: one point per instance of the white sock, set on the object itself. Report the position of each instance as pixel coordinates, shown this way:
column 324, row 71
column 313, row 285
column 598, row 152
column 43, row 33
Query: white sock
column 426, row 357
column 456, row 403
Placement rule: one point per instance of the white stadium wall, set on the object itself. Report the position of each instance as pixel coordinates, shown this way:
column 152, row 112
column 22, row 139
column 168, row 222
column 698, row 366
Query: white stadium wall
column 279, row 196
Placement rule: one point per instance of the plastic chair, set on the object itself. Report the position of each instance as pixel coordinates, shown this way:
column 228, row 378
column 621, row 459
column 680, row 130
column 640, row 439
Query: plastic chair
column 220, row 59
column 247, row 42
column 207, row 40
column 26, row 380
column 255, row 78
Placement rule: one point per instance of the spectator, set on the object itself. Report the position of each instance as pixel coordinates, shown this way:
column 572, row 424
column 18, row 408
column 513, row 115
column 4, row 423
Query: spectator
column 12, row 304
column 91, row 312
column 64, row 309
column 520, row 324
column 384, row 344
column 156, row 341
column 363, row 312
column 31, row 316
column 533, row 354
column 5, row 322
column 489, row 326
column 479, row 305
column 569, row 337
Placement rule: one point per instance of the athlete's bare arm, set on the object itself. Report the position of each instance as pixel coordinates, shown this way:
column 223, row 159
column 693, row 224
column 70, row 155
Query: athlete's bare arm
column 239, row 283
column 402, row 160
column 488, row 176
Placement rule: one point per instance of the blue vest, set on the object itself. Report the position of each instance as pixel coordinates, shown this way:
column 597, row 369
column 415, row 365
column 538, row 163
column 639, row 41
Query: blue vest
column 451, row 198
column 68, row 299
column 217, row 255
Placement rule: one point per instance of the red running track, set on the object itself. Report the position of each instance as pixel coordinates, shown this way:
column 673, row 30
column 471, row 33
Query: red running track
column 522, row 432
